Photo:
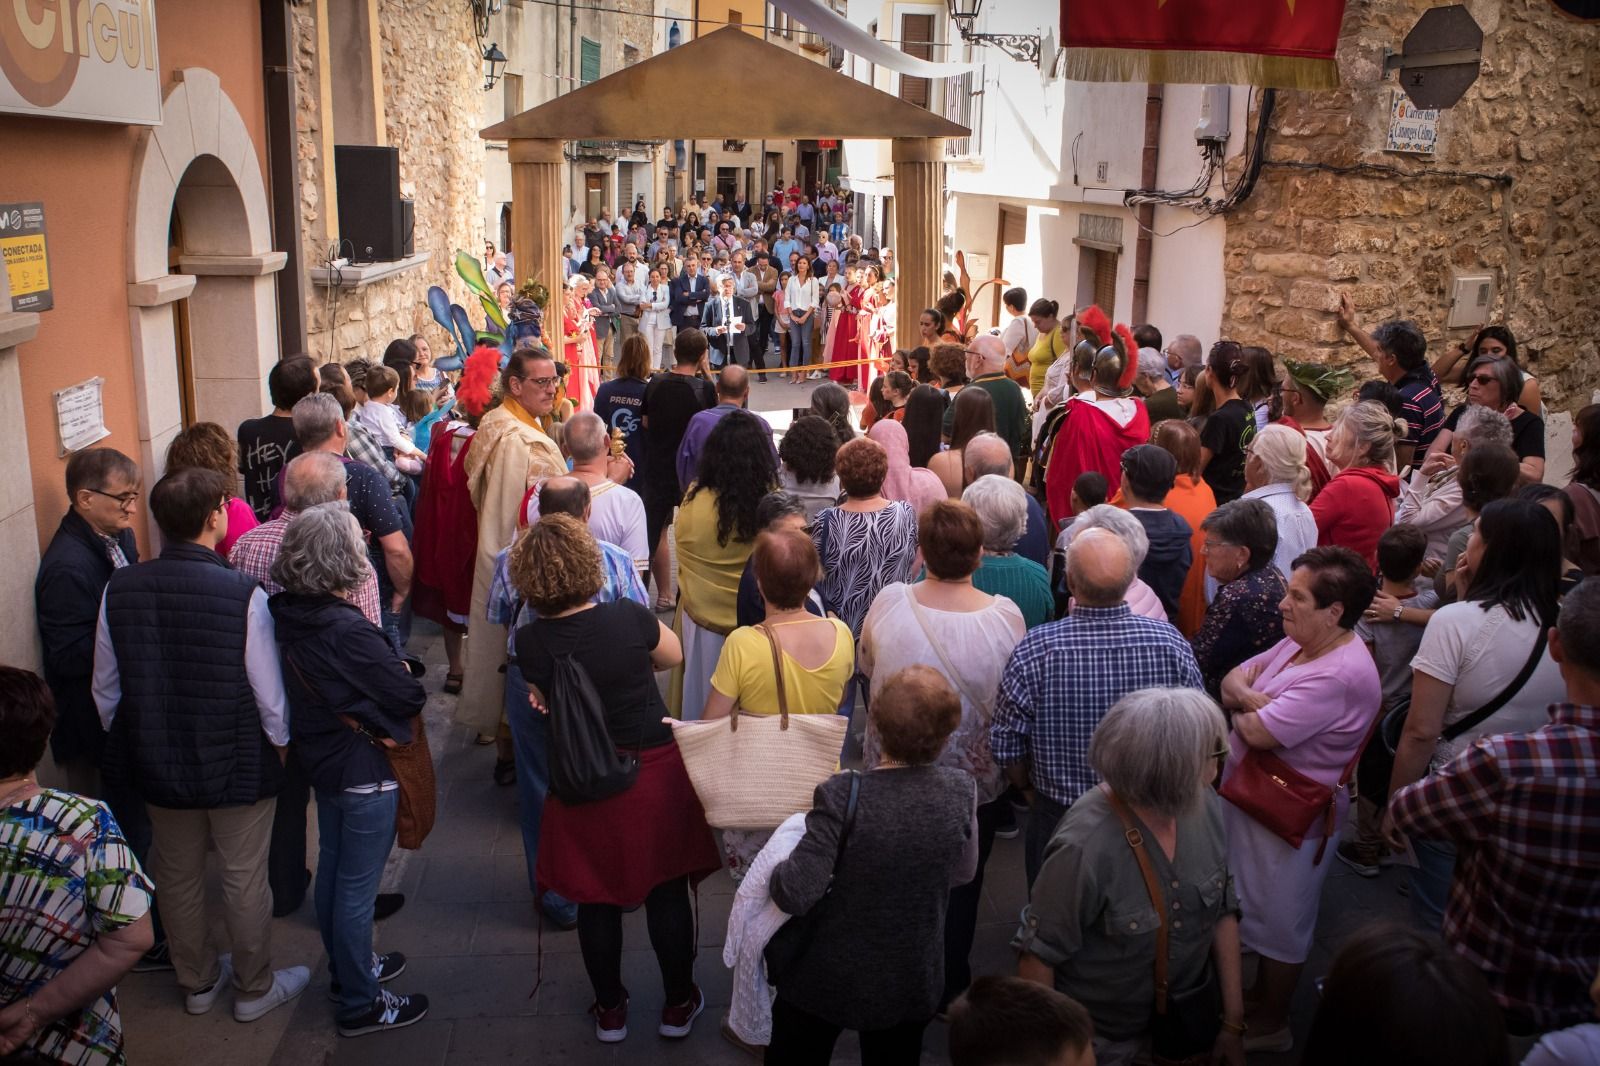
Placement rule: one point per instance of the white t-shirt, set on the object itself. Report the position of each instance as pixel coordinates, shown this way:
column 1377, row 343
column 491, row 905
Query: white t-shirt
column 1019, row 333
column 1480, row 652
column 616, row 516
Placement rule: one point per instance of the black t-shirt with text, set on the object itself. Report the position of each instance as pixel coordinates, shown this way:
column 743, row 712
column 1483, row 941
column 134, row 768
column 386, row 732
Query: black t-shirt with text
column 265, row 446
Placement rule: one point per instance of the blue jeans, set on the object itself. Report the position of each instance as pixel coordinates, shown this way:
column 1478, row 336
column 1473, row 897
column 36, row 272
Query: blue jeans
column 1430, row 882
column 530, row 743
column 800, row 343
column 356, row 833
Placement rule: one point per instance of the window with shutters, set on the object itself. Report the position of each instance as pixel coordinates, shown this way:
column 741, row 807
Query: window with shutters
column 916, row 39
column 1105, row 281
column 588, row 61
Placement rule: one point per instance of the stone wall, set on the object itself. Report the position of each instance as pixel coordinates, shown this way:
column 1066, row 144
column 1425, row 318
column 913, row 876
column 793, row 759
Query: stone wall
column 432, row 89
column 1394, row 241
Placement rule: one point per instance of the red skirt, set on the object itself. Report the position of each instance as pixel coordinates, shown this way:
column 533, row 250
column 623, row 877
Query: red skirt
column 616, row 850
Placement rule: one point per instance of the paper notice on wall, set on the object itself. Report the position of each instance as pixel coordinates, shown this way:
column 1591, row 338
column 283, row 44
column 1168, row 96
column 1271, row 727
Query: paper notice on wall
column 1410, row 129
column 81, row 415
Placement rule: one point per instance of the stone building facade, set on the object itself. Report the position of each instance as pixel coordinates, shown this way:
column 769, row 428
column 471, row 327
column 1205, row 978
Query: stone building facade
column 1508, row 192
column 413, row 80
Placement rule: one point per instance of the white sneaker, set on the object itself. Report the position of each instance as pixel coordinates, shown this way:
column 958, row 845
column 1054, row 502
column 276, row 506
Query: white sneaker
column 286, row 984
column 202, row 1001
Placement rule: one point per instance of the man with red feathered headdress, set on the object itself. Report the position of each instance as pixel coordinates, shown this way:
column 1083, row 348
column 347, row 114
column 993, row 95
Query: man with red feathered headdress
column 1101, row 422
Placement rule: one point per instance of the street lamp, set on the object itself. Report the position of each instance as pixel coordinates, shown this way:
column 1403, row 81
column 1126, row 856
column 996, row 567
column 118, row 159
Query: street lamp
column 494, row 62
column 1022, row 46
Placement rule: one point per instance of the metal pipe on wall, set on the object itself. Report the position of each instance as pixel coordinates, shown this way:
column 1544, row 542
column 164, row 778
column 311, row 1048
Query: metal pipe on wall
column 1146, row 213
column 283, row 180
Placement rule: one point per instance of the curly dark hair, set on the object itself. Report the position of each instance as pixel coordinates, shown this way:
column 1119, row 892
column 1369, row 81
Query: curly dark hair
column 808, row 449
column 737, row 466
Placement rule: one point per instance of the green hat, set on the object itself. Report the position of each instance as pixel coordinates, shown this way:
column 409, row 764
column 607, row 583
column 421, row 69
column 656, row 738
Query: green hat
column 1324, row 382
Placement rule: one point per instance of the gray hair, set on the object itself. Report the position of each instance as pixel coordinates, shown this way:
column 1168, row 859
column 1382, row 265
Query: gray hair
column 310, row 479
column 1282, row 452
column 1503, row 370
column 1115, row 520
column 1152, row 364
column 586, row 436
column 776, row 505
column 1187, row 347
column 1373, row 432
column 986, row 453
column 1153, row 748
column 322, row 552
column 1483, row 425
column 1002, row 505
column 316, row 419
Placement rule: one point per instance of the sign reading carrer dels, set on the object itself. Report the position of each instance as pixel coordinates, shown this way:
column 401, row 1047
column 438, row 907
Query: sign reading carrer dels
column 26, row 258
column 86, row 59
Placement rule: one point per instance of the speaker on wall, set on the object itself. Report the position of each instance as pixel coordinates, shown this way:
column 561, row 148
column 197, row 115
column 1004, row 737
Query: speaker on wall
column 367, row 183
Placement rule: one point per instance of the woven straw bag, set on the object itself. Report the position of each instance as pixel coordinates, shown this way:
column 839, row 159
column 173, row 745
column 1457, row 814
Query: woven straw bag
column 753, row 771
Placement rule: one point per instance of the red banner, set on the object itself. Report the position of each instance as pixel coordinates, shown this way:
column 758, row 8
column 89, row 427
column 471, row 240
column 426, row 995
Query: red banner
column 1281, row 44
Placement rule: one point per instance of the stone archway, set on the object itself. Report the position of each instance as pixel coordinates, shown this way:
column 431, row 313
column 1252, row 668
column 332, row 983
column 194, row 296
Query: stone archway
column 200, row 164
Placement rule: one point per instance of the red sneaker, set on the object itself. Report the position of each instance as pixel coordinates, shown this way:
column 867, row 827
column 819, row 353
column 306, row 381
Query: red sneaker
column 676, row 1021
column 611, row 1023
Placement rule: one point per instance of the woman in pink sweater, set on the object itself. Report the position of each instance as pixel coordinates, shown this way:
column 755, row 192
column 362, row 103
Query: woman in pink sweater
column 1355, row 508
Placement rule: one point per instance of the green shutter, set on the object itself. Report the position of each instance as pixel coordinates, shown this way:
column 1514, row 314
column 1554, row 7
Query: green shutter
column 589, row 61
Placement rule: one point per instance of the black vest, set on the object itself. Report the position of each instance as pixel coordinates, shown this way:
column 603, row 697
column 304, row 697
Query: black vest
column 187, row 733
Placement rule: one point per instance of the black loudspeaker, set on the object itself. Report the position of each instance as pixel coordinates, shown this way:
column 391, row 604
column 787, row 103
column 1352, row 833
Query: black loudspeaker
column 408, row 228
column 367, row 179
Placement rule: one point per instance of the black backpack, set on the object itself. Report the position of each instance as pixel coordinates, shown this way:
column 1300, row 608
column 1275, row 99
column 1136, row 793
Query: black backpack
column 585, row 765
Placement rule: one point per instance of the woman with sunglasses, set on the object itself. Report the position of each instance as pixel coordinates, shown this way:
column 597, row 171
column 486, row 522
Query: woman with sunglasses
column 1496, row 382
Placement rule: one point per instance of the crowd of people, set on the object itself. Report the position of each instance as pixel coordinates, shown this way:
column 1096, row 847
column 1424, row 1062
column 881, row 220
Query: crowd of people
column 787, row 280
column 1198, row 622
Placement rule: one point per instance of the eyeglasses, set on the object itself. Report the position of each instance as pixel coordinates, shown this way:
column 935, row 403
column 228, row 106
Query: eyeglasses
column 1212, row 545
column 542, row 383
column 1485, row 379
column 126, row 500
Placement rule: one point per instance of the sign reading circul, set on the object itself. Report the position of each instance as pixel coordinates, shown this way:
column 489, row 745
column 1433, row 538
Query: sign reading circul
column 27, row 259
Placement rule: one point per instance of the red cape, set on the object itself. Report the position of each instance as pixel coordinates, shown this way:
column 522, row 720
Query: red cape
column 1089, row 439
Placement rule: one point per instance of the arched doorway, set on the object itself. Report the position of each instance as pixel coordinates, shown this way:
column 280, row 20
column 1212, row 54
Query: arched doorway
column 202, row 306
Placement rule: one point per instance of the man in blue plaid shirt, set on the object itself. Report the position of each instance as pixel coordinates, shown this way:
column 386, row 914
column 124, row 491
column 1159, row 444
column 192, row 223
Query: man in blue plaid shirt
column 1064, row 676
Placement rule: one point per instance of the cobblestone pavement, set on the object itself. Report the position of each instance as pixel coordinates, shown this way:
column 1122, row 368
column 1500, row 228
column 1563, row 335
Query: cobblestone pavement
column 470, row 933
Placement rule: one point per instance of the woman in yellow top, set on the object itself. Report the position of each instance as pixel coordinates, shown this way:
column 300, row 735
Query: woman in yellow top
column 818, row 658
column 1050, row 345
column 716, row 529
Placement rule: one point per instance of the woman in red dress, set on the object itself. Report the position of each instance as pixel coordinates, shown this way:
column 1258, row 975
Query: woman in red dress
column 843, row 345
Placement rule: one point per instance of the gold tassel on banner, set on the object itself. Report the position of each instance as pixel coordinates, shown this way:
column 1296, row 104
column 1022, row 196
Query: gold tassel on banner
column 1201, row 68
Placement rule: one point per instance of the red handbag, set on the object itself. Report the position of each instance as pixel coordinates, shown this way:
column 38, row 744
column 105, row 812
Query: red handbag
column 1285, row 801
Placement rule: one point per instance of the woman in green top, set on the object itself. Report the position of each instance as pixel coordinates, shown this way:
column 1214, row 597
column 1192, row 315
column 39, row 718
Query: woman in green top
column 1050, row 345
column 1090, row 930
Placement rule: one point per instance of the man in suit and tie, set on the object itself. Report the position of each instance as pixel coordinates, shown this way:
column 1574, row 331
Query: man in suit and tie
column 724, row 322
column 688, row 294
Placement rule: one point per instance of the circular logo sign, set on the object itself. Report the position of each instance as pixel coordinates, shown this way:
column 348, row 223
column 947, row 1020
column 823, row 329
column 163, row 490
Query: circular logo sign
column 31, row 52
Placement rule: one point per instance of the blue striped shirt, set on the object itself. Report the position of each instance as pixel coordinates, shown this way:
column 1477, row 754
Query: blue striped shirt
column 1064, row 676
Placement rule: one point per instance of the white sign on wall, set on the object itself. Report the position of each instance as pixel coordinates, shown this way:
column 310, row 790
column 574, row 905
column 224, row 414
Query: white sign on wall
column 1411, row 130
column 84, row 59
column 81, row 415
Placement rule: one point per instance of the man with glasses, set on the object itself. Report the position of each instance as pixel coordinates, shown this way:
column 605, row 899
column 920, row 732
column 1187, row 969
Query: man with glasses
column 509, row 453
column 94, row 540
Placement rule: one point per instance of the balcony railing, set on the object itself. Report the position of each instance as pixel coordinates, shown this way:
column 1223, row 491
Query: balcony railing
column 963, row 105
column 811, row 42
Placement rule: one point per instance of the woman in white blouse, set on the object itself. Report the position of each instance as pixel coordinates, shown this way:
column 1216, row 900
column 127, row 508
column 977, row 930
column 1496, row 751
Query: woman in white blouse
column 1275, row 472
column 655, row 322
column 800, row 297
